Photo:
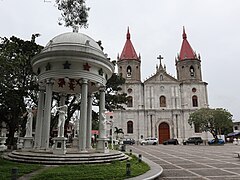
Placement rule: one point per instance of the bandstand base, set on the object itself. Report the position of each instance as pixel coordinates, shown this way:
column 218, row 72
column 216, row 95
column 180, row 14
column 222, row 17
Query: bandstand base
column 71, row 157
column 27, row 142
column 75, row 142
column 59, row 146
column 102, row 145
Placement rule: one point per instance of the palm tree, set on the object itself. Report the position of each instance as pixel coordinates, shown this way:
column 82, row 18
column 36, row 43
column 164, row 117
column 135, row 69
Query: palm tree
column 118, row 131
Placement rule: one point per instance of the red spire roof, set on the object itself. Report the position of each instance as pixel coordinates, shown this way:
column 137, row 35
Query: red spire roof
column 128, row 50
column 186, row 51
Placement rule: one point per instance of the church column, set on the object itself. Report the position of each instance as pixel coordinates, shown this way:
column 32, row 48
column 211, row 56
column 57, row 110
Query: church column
column 173, row 126
column 47, row 114
column 89, row 122
column 39, row 121
column 177, row 135
column 148, row 125
column 83, row 116
column 151, row 125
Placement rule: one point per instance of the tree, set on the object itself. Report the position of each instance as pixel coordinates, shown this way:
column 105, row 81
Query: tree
column 17, row 80
column 118, row 131
column 114, row 98
column 216, row 121
column 74, row 13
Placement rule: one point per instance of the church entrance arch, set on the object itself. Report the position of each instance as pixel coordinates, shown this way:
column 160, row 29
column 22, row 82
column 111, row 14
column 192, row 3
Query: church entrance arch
column 163, row 132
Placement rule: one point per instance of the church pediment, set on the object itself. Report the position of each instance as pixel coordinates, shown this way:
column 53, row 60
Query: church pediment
column 161, row 76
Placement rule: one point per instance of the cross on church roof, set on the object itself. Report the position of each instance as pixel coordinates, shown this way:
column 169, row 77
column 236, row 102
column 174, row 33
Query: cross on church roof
column 160, row 59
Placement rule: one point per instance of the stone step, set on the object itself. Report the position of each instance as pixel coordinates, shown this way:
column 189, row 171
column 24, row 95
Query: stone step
column 47, row 158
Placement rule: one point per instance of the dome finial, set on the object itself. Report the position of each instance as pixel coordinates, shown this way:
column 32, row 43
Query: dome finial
column 128, row 33
column 184, row 34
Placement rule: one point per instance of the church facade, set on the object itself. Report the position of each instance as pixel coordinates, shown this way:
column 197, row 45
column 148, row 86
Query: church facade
column 160, row 106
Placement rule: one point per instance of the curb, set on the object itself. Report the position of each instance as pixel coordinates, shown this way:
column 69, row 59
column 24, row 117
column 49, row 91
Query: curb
column 154, row 172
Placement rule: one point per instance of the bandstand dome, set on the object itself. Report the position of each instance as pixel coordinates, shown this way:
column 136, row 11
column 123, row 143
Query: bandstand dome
column 75, row 42
column 70, row 57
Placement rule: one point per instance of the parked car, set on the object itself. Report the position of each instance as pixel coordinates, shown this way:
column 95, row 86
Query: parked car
column 171, row 141
column 129, row 141
column 149, row 141
column 194, row 140
column 220, row 141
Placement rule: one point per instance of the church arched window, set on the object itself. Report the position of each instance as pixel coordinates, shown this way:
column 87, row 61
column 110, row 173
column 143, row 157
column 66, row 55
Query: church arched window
column 161, row 77
column 129, row 127
column 195, row 101
column 197, row 128
column 162, row 100
column 192, row 71
column 129, row 71
column 129, row 101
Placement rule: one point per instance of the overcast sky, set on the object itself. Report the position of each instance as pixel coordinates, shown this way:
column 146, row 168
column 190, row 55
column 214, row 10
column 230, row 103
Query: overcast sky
column 212, row 28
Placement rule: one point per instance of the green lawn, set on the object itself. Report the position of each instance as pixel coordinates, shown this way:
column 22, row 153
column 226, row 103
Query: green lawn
column 114, row 170
column 7, row 166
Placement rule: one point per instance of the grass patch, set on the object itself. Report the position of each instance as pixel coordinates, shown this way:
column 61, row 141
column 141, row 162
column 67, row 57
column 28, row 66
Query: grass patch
column 114, row 170
column 6, row 168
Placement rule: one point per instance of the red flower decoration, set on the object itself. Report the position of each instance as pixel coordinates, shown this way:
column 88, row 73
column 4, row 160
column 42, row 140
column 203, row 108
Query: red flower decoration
column 61, row 82
column 72, row 84
column 86, row 67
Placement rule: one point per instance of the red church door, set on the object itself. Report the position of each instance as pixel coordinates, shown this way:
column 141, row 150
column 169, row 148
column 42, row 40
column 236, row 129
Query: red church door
column 163, row 132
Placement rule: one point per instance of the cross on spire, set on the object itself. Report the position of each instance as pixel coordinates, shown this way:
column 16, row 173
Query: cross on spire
column 160, row 59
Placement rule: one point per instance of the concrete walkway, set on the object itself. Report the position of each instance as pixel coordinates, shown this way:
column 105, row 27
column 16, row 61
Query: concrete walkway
column 30, row 175
column 194, row 162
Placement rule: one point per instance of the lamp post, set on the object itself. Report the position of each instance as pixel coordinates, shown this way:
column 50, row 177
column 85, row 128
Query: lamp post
column 128, row 168
column 111, row 117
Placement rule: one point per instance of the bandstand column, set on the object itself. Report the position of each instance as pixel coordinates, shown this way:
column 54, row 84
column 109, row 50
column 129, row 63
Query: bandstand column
column 39, row 121
column 102, row 133
column 89, row 122
column 47, row 114
column 102, row 143
column 83, row 116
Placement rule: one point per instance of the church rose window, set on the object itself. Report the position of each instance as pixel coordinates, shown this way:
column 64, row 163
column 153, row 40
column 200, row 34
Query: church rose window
column 129, row 90
column 194, row 90
column 162, row 88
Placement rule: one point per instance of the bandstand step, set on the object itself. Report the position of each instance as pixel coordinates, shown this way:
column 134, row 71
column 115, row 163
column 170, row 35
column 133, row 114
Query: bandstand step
column 48, row 158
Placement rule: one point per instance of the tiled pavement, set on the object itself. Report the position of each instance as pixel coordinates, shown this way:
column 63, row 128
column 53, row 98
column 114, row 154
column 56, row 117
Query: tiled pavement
column 193, row 161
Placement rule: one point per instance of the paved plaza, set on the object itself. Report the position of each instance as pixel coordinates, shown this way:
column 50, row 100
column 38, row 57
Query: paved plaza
column 193, row 161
